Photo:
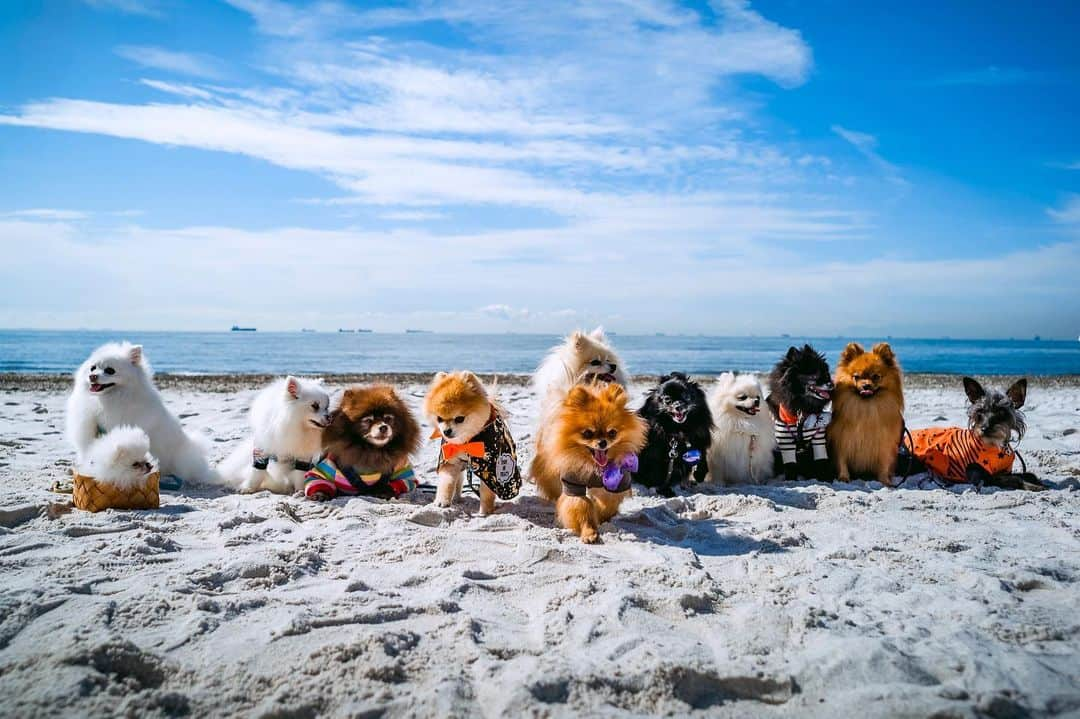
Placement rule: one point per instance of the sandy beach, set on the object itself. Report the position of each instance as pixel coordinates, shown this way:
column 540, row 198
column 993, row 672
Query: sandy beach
column 781, row 599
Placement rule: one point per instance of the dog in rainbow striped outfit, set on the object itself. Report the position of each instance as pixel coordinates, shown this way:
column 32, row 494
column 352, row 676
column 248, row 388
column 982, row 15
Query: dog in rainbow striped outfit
column 367, row 447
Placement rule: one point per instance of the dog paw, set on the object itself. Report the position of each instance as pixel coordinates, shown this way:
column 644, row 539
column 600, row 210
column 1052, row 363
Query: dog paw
column 589, row 536
column 444, row 503
column 321, row 497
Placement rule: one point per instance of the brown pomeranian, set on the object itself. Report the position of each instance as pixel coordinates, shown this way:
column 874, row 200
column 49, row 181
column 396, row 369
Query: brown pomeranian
column 868, row 413
column 585, row 455
column 367, row 446
column 475, row 440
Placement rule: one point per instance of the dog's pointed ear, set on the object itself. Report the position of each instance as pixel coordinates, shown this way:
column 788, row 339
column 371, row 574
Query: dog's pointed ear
column 853, row 350
column 439, row 376
column 472, row 380
column 792, row 354
column 292, row 387
column 598, row 333
column 667, row 377
column 615, row 393
column 578, row 339
column 135, row 354
column 884, row 351
column 577, row 397
column 1018, row 392
column 725, row 379
column 973, row 390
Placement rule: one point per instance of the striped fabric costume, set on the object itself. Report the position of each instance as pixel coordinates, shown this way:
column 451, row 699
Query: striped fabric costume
column 794, row 433
column 328, row 478
column 947, row 452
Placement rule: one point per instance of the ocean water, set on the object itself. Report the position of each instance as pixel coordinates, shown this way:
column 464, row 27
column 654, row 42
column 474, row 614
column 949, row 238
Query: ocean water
column 327, row 353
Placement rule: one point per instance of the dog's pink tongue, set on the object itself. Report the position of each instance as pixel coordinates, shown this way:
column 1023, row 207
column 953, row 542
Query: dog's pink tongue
column 600, row 456
column 95, row 388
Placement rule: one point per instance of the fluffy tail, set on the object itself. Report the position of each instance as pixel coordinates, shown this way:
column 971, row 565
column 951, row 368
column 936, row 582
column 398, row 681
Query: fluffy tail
column 234, row 470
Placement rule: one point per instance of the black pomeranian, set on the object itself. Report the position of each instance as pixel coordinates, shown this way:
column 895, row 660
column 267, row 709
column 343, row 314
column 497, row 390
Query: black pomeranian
column 800, row 386
column 680, row 429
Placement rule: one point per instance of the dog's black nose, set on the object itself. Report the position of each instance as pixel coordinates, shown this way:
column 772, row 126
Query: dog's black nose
column 93, row 378
column 757, row 402
column 602, row 444
column 448, row 432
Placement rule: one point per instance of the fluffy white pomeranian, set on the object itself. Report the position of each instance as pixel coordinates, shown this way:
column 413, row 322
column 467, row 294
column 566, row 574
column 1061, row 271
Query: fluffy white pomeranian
column 120, row 457
column 287, row 420
column 742, row 440
column 115, row 387
column 581, row 357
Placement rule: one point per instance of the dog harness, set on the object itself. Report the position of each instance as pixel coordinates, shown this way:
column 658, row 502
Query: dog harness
column 795, row 431
column 262, row 460
column 947, row 452
column 679, row 450
column 613, row 476
column 491, row 455
column 328, row 478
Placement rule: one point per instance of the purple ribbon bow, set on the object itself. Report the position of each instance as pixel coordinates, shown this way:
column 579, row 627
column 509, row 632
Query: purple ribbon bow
column 612, row 472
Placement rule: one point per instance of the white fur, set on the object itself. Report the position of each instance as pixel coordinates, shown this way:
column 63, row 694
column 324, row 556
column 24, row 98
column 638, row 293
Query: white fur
column 120, row 457
column 133, row 401
column 284, row 424
column 730, row 458
column 569, row 363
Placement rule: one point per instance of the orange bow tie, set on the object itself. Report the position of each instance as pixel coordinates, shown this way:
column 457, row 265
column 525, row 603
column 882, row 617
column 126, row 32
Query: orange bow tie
column 473, row 449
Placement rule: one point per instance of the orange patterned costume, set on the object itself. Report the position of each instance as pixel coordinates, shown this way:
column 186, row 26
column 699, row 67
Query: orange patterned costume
column 947, row 452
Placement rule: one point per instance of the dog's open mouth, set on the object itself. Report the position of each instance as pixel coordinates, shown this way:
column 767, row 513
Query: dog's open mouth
column 319, row 423
column 820, row 392
column 605, row 377
column 679, row 415
column 867, row 391
column 95, row 387
column 600, row 457
column 751, row 410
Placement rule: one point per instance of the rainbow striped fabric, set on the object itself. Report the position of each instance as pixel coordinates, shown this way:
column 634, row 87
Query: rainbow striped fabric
column 327, row 478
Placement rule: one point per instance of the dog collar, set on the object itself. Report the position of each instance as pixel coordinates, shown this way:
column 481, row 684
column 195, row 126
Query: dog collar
column 262, row 460
column 786, row 415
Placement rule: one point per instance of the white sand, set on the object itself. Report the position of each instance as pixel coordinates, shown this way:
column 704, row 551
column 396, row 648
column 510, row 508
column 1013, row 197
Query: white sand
column 849, row 600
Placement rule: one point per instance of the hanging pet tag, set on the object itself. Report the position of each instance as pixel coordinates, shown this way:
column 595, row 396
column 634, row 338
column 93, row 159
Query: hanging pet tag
column 692, row 456
column 504, row 468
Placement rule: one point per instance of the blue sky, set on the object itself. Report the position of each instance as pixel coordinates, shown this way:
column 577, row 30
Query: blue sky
column 482, row 165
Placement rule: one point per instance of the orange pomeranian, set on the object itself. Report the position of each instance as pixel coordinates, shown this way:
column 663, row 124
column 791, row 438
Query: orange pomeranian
column 868, row 413
column 475, row 440
column 585, row 455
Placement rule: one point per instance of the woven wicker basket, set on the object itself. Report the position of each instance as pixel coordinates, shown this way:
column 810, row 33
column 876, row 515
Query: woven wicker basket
column 94, row 496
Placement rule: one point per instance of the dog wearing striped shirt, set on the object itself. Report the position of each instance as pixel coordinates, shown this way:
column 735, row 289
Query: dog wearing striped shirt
column 367, row 447
column 984, row 447
column 800, row 387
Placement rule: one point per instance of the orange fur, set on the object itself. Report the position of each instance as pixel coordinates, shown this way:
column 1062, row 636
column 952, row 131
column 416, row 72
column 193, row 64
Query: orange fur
column 864, row 433
column 459, row 394
column 564, row 449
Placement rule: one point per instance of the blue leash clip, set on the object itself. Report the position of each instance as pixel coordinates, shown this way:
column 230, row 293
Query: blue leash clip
column 692, row 456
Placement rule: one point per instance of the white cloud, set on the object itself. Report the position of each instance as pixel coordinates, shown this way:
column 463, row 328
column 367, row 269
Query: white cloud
column 47, row 213
column 505, row 312
column 148, row 8
column 746, row 289
column 1069, row 211
column 171, row 61
column 867, row 145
